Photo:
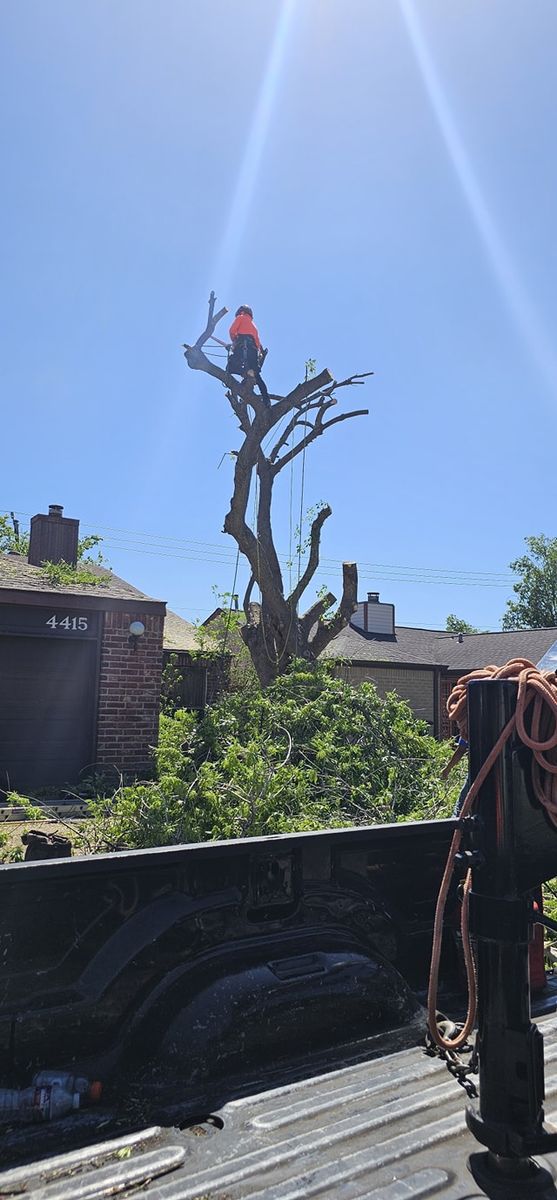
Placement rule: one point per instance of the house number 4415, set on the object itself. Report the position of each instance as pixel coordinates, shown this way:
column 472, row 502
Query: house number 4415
column 71, row 623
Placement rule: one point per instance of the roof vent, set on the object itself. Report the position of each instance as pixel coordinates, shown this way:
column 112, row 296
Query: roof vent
column 373, row 597
column 53, row 538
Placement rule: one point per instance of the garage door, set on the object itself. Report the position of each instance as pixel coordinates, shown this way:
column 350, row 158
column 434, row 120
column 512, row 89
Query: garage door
column 46, row 711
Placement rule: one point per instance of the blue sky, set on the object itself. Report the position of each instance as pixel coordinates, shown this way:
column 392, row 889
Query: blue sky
column 378, row 179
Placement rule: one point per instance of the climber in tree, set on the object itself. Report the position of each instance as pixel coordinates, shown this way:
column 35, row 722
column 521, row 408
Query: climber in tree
column 246, row 355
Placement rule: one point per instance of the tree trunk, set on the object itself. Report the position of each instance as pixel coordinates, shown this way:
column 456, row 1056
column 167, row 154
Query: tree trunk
column 274, row 632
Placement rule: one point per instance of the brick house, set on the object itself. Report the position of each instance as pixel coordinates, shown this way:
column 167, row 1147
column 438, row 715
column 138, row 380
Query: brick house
column 80, row 667
column 422, row 665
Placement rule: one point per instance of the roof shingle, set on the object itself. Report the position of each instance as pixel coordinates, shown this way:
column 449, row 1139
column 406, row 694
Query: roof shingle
column 179, row 634
column 18, row 575
column 427, row 647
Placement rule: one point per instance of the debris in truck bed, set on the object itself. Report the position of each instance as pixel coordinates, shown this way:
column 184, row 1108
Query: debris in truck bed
column 392, row 1128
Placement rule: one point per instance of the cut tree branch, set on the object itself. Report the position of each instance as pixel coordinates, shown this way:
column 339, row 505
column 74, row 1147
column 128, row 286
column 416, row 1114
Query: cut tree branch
column 327, row 630
column 292, row 425
column 212, row 322
column 313, row 559
column 303, row 391
column 299, row 420
column 358, row 412
column 314, row 613
column 317, row 429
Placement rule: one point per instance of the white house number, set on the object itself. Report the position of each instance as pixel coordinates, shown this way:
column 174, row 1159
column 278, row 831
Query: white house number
column 70, row 623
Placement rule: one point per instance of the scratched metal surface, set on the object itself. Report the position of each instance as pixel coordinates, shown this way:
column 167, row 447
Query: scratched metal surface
column 392, row 1128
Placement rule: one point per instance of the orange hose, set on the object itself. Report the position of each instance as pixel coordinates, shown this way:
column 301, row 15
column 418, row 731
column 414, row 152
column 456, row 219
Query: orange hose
column 536, row 690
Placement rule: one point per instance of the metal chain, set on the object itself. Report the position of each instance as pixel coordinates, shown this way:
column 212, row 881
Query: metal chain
column 459, row 1069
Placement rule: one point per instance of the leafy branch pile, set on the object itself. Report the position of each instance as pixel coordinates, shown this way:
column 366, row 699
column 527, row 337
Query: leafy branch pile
column 309, row 752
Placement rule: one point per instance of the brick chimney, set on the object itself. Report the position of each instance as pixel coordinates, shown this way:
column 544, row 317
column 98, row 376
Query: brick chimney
column 53, row 538
column 374, row 616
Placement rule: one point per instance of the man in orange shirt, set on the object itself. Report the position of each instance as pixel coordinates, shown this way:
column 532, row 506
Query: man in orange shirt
column 246, row 347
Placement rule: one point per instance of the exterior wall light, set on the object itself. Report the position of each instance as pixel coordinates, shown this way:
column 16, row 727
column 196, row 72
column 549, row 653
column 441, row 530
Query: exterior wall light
column 137, row 629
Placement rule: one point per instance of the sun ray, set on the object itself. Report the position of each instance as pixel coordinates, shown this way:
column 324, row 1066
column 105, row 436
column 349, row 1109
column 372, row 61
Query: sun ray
column 514, row 293
column 246, row 182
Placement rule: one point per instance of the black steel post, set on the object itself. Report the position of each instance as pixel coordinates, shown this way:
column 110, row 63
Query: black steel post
column 509, row 1120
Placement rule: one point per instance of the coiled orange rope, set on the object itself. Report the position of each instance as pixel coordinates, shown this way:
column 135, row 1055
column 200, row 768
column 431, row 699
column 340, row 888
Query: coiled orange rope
column 537, row 704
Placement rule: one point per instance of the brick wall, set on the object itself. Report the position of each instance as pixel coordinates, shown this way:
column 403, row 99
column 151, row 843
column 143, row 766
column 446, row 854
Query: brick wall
column 417, row 687
column 129, row 693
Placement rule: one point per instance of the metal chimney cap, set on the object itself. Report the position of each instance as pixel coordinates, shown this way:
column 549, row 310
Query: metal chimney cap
column 55, row 510
column 373, row 597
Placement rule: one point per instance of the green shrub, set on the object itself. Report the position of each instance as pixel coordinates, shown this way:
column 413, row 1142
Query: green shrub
column 309, row 752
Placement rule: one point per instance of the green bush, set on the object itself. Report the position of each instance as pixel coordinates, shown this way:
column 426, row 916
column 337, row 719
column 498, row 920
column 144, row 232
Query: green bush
column 309, row 752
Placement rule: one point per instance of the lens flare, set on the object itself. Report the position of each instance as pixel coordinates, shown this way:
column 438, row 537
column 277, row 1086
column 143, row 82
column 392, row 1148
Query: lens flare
column 244, row 190
column 513, row 291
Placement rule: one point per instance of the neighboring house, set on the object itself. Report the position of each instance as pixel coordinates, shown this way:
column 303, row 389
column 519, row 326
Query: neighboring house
column 203, row 670
column 422, row 665
column 221, row 630
column 80, row 667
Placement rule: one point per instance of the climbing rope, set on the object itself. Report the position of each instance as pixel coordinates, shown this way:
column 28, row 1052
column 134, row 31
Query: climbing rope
column 232, row 599
column 302, row 489
column 537, row 697
column 301, row 521
column 291, row 512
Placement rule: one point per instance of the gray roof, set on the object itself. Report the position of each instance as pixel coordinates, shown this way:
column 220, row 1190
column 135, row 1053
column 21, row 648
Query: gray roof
column 179, row 634
column 427, row 647
column 17, row 575
column 499, row 648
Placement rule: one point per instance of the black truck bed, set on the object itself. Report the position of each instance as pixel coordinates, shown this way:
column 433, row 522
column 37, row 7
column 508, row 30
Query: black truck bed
column 392, row 1128
column 255, row 1012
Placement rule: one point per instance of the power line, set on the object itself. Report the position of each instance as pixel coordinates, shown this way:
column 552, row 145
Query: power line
column 197, row 550
column 387, row 570
column 322, row 572
column 225, row 559
column 183, row 542
column 210, row 552
column 434, row 570
column 403, row 624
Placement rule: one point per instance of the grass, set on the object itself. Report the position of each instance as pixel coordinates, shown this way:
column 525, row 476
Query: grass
column 11, row 846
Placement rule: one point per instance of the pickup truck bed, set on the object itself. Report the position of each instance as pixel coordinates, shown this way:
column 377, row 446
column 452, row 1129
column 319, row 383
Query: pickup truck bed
column 255, row 1012
column 391, row 1127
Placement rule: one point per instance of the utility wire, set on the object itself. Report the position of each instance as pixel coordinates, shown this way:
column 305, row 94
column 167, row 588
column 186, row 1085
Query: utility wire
column 388, row 571
column 225, row 558
column 403, row 624
column 155, row 544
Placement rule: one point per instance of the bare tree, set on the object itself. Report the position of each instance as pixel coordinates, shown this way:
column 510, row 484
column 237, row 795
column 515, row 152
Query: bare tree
column 274, row 631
